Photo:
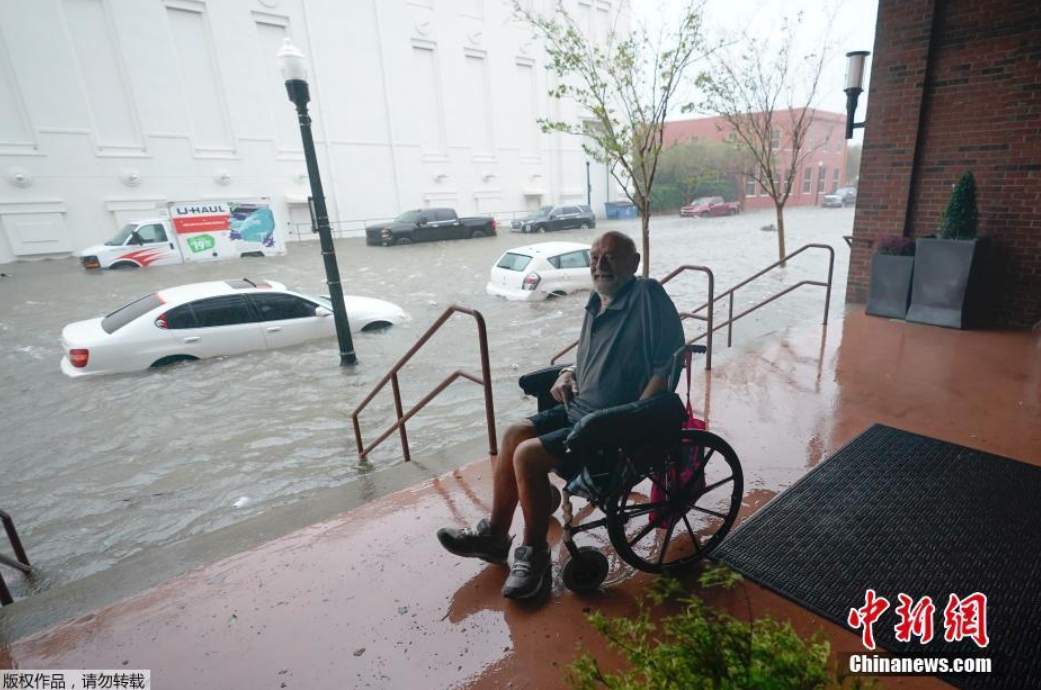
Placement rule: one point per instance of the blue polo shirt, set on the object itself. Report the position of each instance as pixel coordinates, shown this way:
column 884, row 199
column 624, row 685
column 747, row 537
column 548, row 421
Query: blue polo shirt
column 619, row 350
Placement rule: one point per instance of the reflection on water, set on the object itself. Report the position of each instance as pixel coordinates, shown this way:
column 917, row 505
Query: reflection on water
column 95, row 470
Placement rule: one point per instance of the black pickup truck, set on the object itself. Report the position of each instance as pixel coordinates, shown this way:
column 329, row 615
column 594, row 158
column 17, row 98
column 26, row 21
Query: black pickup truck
column 428, row 225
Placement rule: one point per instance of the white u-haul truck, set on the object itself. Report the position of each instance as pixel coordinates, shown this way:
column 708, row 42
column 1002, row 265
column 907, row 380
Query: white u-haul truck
column 194, row 231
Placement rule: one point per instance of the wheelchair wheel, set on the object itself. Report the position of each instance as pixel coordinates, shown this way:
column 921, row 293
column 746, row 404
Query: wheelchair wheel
column 585, row 572
column 555, row 499
column 665, row 520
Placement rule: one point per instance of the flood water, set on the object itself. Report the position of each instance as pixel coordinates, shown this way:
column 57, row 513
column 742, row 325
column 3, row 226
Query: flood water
column 97, row 469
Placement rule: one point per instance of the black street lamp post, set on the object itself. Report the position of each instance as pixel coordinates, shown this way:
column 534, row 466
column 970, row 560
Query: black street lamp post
column 589, row 188
column 294, row 71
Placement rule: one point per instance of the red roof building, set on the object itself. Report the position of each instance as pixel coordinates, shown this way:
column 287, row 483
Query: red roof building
column 824, row 169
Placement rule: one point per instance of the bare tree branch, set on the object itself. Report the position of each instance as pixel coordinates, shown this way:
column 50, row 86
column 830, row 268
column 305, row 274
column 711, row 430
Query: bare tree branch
column 623, row 87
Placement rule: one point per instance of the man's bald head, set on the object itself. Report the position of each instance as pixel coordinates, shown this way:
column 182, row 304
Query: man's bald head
column 613, row 262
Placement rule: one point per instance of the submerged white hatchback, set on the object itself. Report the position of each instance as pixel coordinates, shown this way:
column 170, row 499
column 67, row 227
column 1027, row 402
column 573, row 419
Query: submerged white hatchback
column 538, row 271
column 210, row 319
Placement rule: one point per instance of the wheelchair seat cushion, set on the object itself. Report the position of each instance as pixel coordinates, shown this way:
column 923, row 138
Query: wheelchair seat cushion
column 656, row 420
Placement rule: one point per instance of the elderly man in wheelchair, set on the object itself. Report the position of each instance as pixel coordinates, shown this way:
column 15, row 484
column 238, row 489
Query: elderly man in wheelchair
column 614, row 430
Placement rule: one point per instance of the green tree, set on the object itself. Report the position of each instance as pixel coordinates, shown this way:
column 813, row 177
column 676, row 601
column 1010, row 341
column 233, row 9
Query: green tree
column 765, row 93
column 623, row 89
column 960, row 218
column 697, row 167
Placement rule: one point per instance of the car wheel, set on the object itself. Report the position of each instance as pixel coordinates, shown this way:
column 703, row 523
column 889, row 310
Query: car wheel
column 376, row 326
column 476, row 233
column 120, row 265
column 173, row 359
column 404, row 239
column 588, row 226
column 732, row 212
column 541, row 228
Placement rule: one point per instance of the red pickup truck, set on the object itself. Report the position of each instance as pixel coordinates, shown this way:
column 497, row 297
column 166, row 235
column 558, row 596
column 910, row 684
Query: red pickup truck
column 710, row 206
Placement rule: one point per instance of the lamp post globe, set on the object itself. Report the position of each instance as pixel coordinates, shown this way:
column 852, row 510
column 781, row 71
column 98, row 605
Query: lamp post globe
column 854, row 86
column 293, row 65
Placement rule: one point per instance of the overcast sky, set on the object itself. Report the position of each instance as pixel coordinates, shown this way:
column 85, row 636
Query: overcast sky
column 853, row 28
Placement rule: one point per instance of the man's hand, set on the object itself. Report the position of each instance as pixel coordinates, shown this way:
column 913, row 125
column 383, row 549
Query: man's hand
column 565, row 387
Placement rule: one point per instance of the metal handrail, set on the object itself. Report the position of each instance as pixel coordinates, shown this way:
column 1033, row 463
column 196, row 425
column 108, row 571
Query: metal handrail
column 729, row 323
column 693, row 314
column 485, row 381
column 21, row 564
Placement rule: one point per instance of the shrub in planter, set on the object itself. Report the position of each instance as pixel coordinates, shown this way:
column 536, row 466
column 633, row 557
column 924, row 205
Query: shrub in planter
column 891, row 269
column 948, row 288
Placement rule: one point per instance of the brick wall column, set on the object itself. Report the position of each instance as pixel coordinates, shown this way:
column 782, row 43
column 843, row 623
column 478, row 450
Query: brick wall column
column 899, row 69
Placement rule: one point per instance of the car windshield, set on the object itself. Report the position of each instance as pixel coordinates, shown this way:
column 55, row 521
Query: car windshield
column 513, row 262
column 121, row 237
column 701, row 201
column 125, row 314
column 407, row 217
column 541, row 213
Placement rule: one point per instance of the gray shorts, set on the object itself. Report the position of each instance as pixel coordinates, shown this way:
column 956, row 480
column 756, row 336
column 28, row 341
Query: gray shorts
column 552, row 427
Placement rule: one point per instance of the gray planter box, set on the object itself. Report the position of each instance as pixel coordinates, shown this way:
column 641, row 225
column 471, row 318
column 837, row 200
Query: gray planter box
column 890, row 285
column 948, row 287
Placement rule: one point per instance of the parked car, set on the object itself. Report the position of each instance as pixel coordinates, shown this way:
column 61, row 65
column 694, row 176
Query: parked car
column 210, row 319
column 538, row 271
column 710, row 206
column 549, row 218
column 428, row 225
column 843, row 196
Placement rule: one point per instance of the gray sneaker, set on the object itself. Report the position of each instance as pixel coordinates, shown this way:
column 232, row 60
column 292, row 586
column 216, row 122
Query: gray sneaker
column 531, row 568
column 478, row 542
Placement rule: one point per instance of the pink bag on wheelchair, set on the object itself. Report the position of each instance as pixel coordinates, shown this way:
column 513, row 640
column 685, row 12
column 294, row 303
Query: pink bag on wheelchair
column 677, row 475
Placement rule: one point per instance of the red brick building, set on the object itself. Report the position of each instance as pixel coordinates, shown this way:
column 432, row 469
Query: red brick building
column 823, row 171
column 956, row 86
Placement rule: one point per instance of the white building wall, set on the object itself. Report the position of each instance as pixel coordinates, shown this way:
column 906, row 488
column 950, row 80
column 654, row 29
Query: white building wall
column 109, row 109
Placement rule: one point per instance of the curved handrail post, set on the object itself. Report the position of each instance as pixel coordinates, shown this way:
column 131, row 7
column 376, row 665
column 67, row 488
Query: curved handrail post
column 827, row 290
column 711, row 302
column 392, row 376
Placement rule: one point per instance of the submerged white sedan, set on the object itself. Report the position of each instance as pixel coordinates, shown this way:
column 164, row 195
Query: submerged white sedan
column 538, row 271
column 210, row 319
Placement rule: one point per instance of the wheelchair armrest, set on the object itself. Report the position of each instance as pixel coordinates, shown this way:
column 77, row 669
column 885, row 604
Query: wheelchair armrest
column 656, row 419
column 539, row 382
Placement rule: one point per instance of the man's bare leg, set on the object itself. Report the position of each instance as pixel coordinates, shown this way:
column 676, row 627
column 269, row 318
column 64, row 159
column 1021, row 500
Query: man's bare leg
column 504, row 489
column 532, row 464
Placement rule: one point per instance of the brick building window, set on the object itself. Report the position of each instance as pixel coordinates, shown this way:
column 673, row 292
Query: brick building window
column 749, row 186
column 775, row 138
column 835, row 180
column 807, row 180
column 822, row 172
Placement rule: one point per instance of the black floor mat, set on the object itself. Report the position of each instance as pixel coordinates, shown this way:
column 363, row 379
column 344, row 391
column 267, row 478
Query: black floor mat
column 898, row 512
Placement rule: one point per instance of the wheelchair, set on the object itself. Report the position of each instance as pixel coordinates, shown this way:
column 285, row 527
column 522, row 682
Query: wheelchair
column 666, row 494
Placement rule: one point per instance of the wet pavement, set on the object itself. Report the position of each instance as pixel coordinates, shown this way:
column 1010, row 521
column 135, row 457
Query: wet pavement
column 368, row 599
column 101, row 469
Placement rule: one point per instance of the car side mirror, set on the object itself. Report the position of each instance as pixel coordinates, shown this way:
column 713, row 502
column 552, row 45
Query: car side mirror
column 553, row 216
column 322, row 312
